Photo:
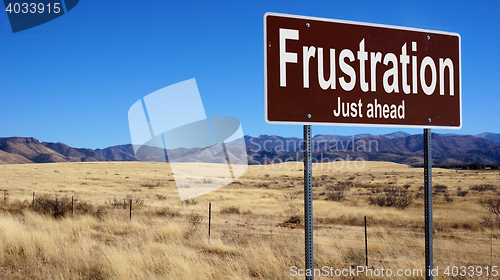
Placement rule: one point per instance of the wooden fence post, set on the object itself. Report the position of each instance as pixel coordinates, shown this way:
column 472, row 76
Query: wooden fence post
column 209, row 218
column 366, row 245
column 131, row 209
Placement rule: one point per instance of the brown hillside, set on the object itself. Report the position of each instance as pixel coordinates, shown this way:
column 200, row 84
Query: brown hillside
column 73, row 154
column 29, row 148
column 7, row 158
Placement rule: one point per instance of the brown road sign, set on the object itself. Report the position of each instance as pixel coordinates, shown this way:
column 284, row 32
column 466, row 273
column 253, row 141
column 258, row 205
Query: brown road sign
column 331, row 72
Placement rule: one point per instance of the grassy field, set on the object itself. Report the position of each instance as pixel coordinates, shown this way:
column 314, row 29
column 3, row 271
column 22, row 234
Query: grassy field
column 256, row 229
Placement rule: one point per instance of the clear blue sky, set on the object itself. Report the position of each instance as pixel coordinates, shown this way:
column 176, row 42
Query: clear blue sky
column 73, row 79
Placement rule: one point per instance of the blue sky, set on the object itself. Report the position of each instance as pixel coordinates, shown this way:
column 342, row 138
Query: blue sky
column 73, row 79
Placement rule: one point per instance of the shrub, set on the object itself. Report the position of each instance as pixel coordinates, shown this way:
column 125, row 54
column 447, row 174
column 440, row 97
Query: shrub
column 492, row 205
column 264, row 185
column 161, row 196
column 125, row 203
column 194, row 220
column 447, row 197
column 354, row 257
column 338, row 196
column 462, row 193
column 483, row 187
column 392, row 197
column 82, row 207
column 116, row 203
column 345, row 185
column 295, row 219
column 51, row 206
column 190, row 201
column 490, row 222
column 475, row 166
column 14, row 206
column 230, row 210
column 167, row 212
column 350, row 220
column 99, row 214
column 60, row 207
column 440, row 188
column 342, row 186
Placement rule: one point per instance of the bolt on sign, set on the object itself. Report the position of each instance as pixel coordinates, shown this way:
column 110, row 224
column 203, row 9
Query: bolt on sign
column 332, row 72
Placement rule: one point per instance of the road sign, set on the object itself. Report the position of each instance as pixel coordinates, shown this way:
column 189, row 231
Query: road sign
column 332, row 72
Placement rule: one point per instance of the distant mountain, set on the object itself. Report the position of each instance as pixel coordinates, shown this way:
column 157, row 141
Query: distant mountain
column 395, row 135
column 397, row 147
column 8, row 158
column 266, row 142
column 446, row 150
column 495, row 137
column 486, row 154
column 440, row 144
column 289, row 144
column 117, row 153
column 73, row 154
column 31, row 149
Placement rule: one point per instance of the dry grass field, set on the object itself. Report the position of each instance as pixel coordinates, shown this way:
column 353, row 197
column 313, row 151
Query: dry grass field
column 256, row 230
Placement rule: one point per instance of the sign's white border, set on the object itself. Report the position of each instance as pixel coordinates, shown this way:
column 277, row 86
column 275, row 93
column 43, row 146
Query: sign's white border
column 364, row 24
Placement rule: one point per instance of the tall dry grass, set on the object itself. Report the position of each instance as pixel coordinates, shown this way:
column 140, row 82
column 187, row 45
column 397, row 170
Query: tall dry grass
column 165, row 239
column 39, row 247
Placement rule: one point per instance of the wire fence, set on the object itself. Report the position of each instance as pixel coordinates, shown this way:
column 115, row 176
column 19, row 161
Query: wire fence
column 374, row 244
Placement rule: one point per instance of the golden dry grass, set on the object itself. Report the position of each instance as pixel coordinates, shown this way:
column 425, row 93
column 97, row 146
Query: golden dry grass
column 164, row 241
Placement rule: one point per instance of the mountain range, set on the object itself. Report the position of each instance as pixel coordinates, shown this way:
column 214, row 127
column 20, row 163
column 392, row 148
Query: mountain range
column 400, row 147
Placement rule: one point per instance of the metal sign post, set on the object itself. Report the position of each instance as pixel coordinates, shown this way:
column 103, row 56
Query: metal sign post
column 428, row 203
column 308, row 207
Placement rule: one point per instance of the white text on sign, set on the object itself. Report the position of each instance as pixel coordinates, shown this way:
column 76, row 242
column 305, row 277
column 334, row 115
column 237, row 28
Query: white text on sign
column 369, row 60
